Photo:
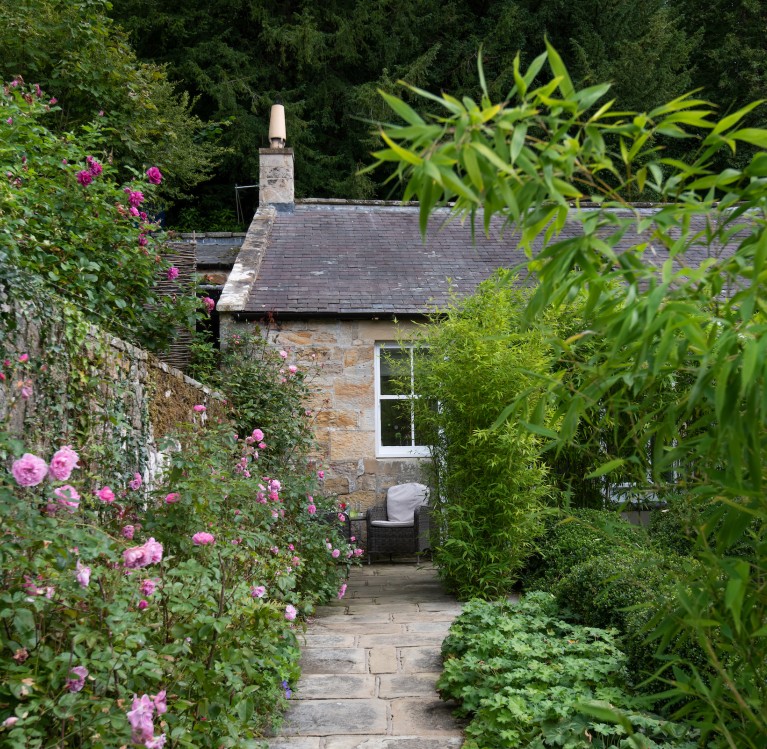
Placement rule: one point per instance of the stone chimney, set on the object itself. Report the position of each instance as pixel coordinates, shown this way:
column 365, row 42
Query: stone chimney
column 275, row 178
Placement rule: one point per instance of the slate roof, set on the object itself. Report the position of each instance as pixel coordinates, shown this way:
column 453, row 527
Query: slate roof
column 361, row 260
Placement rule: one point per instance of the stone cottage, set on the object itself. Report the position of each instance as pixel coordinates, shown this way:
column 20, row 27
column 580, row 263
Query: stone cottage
column 341, row 282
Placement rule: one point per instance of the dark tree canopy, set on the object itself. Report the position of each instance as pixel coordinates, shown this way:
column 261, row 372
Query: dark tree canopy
column 325, row 61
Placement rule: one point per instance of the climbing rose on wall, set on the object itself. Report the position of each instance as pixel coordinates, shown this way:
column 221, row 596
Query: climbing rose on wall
column 63, row 462
column 29, row 470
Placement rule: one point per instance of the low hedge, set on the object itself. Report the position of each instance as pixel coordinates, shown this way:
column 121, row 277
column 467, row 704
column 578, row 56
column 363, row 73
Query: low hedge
column 521, row 674
column 571, row 538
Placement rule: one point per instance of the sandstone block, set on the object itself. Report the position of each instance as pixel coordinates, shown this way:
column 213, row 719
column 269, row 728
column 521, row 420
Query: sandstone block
column 336, row 485
column 359, row 355
column 422, row 717
column 337, row 419
column 328, row 717
column 335, row 686
column 333, row 661
column 351, row 445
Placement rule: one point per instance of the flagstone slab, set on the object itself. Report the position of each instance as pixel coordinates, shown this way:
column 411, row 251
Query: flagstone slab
column 335, row 686
column 383, row 660
column 346, row 627
column 401, row 639
column 375, row 609
column 393, row 742
column 333, row 661
column 375, row 614
column 319, row 640
column 393, row 686
column 333, row 717
column 420, row 659
column 442, row 625
column 421, row 717
column 295, row 742
column 423, row 616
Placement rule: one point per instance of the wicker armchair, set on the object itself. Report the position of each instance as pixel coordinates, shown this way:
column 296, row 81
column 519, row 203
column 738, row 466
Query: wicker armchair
column 386, row 536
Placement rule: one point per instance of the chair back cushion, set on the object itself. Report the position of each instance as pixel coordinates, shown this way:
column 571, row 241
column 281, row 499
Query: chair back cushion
column 402, row 500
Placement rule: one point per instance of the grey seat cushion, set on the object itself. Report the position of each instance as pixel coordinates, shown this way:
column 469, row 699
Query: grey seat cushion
column 391, row 524
column 402, row 500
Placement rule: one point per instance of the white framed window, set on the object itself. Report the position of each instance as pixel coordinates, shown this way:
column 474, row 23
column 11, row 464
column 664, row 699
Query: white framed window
column 396, row 435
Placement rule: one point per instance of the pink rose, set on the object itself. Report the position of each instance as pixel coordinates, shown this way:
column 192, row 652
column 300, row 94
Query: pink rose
column 153, row 551
column 292, row 369
column 128, row 532
column 63, row 462
column 135, row 484
column 140, row 719
column 68, row 497
column 359, row 552
column 154, row 175
column 83, row 575
column 29, row 470
column 147, row 587
column 142, row 604
column 209, row 303
column 342, row 591
column 10, row 722
column 84, row 177
column 135, row 197
column 172, row 498
column 335, row 553
column 23, row 358
column 93, row 166
column 311, row 509
column 321, row 474
column 203, row 539
column 159, row 702
column 290, row 612
column 200, row 409
column 258, row 592
column 76, row 684
column 105, row 494
column 172, row 274
column 258, row 435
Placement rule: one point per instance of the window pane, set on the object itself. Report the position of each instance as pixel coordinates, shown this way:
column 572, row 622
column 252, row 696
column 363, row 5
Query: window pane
column 395, row 365
column 395, row 423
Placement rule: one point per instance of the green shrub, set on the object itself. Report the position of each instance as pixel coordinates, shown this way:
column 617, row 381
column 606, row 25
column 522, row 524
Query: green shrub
column 672, row 528
column 490, row 483
column 577, row 536
column 520, row 674
column 626, row 589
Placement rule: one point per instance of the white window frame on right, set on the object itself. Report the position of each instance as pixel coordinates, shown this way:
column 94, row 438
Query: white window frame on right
column 395, row 451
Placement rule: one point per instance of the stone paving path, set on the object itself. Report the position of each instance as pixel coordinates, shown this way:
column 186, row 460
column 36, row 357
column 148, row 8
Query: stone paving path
column 369, row 666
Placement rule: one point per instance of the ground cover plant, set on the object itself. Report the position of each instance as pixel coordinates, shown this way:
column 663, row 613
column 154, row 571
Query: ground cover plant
column 520, row 674
column 679, row 365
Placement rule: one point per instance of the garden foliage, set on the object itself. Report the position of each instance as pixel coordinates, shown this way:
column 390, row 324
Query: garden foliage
column 521, row 674
column 72, row 48
column 490, row 485
column 667, row 321
column 65, row 218
column 150, row 615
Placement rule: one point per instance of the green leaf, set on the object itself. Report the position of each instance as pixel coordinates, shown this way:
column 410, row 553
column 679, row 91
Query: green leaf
column 405, row 111
column 560, row 71
column 611, row 465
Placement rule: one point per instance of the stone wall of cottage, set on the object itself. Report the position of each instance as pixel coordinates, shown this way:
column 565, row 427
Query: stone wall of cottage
column 342, row 352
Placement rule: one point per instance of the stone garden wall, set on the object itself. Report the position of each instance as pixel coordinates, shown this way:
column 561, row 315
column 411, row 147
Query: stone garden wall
column 110, row 400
